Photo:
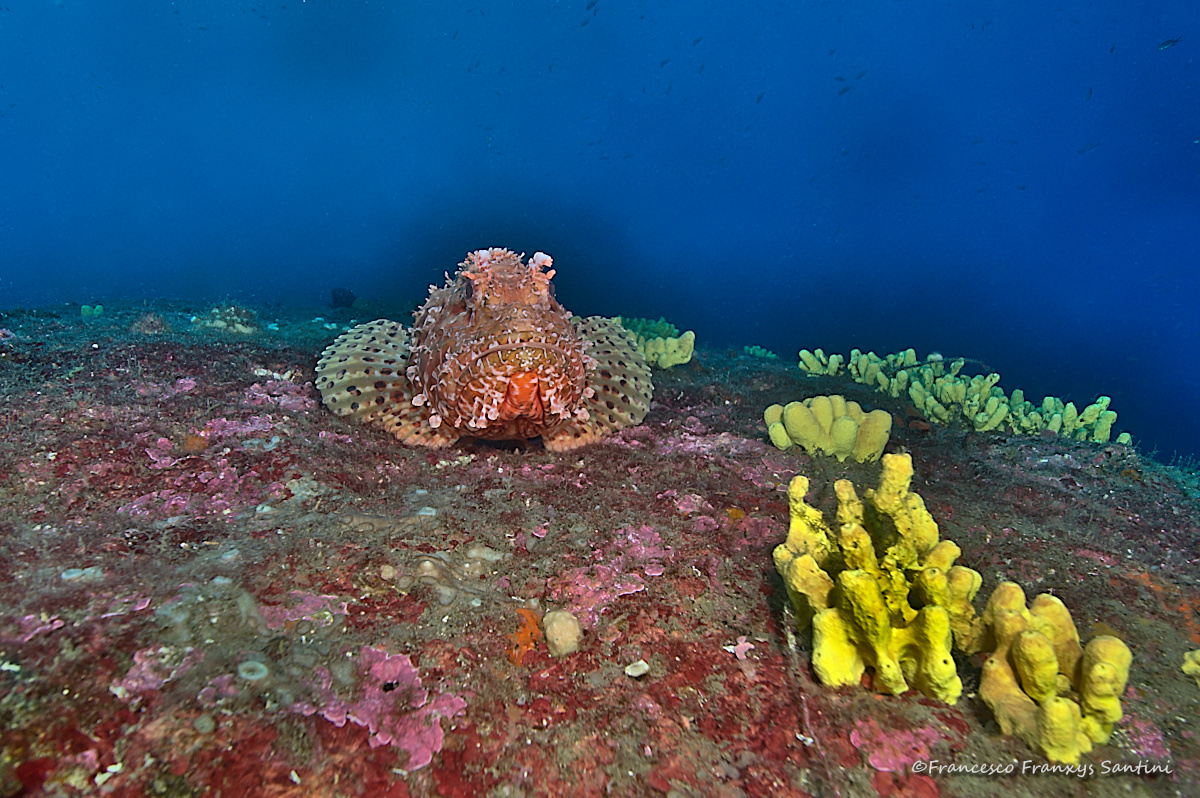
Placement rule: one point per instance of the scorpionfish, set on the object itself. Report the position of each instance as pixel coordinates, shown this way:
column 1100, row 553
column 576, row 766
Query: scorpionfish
column 492, row 355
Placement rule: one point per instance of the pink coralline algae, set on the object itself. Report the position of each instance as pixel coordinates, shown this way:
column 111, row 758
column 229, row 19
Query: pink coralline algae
column 284, row 394
column 1098, row 556
column 392, row 704
column 1145, row 739
column 689, row 503
column 589, row 590
column 756, row 532
column 309, row 607
column 773, row 471
column 163, row 391
column 720, row 444
column 205, row 484
column 33, row 625
column 161, row 454
column 219, row 429
column 152, row 668
column 219, row 490
column 639, row 545
column 217, row 690
column 892, row 751
column 740, row 648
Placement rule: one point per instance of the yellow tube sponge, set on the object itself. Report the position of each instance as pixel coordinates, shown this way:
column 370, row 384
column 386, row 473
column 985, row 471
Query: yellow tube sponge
column 939, row 391
column 916, row 531
column 854, row 586
column 664, row 353
column 660, row 342
column 779, row 437
column 862, row 619
column 923, row 650
column 830, row 425
column 953, row 588
column 874, row 430
column 802, row 426
column 858, row 633
column 806, row 558
column 1102, row 677
column 1036, row 662
column 816, row 364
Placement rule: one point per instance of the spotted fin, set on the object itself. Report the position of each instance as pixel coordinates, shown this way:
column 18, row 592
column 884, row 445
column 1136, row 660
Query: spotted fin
column 620, row 383
column 361, row 376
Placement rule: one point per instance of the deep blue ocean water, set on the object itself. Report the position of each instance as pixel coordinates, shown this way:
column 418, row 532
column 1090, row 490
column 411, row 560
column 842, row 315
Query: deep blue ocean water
column 1015, row 182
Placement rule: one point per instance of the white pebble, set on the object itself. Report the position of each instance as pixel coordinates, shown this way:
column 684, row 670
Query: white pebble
column 637, row 670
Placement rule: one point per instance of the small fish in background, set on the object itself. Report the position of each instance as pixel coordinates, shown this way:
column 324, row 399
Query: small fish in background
column 1169, row 43
column 1089, row 94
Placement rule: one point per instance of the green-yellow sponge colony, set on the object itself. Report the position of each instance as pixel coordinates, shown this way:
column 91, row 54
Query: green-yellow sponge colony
column 938, row 390
column 758, row 351
column 829, row 425
column 660, row 341
column 858, row 587
column 1037, row 662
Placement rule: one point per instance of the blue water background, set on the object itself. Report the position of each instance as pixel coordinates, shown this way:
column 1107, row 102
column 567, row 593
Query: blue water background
column 1017, row 182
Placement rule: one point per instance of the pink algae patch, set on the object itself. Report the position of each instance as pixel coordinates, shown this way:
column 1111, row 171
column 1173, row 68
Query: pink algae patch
column 310, row 607
column 391, row 703
column 892, row 751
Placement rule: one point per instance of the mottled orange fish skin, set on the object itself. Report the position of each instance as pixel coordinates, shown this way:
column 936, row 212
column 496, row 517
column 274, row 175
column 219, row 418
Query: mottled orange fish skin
column 493, row 353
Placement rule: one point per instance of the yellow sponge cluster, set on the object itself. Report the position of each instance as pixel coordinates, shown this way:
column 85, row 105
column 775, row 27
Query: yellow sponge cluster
column 1037, row 662
column 648, row 328
column 883, row 592
column 664, row 353
column 938, row 390
column 855, row 586
column 1191, row 665
column 829, row 425
column 660, row 342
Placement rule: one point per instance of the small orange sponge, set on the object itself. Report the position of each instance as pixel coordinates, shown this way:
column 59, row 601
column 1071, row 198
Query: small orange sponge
column 526, row 638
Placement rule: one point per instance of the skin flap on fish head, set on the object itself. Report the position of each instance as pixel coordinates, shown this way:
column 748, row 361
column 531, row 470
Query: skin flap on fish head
column 499, row 279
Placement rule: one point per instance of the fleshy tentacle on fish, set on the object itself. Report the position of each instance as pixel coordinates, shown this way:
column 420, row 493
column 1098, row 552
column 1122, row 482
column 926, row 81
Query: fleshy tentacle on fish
column 491, row 355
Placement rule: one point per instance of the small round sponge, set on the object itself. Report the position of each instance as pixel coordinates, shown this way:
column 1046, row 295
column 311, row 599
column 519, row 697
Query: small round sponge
column 563, row 632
